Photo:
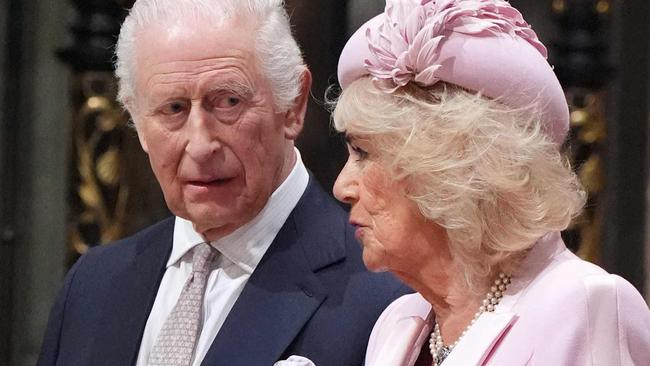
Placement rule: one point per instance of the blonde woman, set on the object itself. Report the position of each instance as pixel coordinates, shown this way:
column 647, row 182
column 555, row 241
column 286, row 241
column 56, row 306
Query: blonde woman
column 454, row 120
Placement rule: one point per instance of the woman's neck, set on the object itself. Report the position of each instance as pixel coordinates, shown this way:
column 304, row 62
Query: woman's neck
column 455, row 313
column 451, row 299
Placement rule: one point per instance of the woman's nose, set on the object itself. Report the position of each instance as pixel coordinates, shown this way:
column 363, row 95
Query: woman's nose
column 345, row 187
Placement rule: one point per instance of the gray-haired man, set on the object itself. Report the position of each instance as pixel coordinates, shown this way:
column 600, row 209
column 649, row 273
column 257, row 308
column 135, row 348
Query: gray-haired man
column 258, row 263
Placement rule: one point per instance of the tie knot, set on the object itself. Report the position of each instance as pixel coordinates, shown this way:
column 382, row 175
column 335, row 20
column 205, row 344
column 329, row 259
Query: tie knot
column 203, row 255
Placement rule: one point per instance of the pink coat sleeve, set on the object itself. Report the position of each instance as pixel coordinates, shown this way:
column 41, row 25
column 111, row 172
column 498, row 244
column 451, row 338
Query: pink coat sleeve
column 633, row 325
column 610, row 328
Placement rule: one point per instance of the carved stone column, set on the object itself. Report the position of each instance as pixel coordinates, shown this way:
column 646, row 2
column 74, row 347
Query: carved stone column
column 627, row 163
column 319, row 27
column 8, row 203
column 102, row 176
column 582, row 67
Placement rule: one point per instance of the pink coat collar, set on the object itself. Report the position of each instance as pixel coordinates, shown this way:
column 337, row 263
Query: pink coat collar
column 413, row 327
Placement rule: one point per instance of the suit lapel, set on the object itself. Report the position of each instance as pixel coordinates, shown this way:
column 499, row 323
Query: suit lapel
column 282, row 293
column 129, row 302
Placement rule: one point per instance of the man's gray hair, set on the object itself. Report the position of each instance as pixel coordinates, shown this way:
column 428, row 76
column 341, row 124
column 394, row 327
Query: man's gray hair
column 278, row 53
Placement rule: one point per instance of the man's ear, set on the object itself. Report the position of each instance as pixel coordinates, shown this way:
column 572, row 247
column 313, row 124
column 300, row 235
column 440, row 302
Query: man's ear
column 143, row 141
column 295, row 117
column 130, row 108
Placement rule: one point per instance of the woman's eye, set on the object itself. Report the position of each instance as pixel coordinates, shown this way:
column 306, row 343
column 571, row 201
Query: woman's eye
column 358, row 152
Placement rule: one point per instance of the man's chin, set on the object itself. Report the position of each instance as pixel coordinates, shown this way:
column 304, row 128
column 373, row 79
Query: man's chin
column 211, row 224
column 215, row 221
column 217, row 233
column 221, row 191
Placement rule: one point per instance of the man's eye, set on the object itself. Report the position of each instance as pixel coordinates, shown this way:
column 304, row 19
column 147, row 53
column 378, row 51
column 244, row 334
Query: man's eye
column 174, row 108
column 227, row 101
column 233, row 101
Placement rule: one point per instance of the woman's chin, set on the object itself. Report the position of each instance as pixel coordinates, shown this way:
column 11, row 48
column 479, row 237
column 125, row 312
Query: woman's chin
column 373, row 262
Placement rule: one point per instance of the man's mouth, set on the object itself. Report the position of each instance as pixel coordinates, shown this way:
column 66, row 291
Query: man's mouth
column 210, row 183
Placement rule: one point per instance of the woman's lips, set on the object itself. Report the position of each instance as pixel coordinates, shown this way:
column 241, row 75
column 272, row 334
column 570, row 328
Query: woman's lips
column 359, row 229
column 358, row 233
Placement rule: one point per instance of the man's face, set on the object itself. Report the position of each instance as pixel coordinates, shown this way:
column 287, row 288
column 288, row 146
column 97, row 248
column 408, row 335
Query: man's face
column 205, row 115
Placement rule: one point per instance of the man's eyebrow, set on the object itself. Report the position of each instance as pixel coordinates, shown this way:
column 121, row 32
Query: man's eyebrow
column 234, row 86
column 163, row 94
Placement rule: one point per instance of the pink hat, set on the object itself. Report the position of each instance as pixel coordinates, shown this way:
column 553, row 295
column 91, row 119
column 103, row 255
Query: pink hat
column 480, row 45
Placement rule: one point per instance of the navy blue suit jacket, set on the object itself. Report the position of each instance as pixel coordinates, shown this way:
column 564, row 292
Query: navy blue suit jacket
column 310, row 296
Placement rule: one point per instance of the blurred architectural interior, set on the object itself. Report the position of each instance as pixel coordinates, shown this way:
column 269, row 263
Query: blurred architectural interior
column 72, row 174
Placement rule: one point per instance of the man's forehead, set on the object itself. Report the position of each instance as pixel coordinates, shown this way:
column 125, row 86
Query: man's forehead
column 193, row 48
column 194, row 38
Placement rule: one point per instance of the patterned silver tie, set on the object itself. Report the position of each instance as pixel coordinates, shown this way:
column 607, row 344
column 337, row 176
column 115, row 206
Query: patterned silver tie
column 177, row 339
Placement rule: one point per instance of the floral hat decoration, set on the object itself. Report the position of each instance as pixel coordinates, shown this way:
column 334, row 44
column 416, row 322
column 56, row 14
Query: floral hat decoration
column 480, row 45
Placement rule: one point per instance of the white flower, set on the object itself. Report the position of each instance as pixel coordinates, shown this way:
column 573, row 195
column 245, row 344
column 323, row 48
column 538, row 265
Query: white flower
column 295, row 361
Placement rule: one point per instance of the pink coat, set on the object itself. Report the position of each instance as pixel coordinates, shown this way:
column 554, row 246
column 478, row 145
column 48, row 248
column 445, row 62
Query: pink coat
column 558, row 311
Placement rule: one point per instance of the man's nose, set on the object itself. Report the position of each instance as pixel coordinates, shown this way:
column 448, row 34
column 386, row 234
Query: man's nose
column 202, row 141
column 346, row 186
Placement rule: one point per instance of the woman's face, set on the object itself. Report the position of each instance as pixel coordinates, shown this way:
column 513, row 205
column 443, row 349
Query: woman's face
column 394, row 234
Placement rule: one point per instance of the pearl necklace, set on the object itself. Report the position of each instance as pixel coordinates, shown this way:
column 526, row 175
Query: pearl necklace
column 437, row 348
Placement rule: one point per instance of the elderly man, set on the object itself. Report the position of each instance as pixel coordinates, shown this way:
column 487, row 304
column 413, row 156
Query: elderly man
column 258, row 263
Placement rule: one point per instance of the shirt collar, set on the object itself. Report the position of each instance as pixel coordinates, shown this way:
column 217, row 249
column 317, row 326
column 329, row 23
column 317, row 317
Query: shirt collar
column 246, row 246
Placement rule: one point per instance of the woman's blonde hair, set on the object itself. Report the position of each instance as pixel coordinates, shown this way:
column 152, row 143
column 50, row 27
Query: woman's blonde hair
column 486, row 173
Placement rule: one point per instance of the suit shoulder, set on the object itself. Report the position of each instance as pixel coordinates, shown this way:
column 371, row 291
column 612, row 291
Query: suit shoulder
column 317, row 207
column 122, row 250
column 384, row 284
column 332, row 251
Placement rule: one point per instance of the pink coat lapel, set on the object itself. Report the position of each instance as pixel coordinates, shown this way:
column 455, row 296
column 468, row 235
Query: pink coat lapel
column 404, row 339
column 475, row 346
column 479, row 341
column 400, row 332
column 404, row 327
column 409, row 329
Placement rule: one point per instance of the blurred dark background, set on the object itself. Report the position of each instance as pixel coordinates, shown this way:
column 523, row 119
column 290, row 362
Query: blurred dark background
column 72, row 174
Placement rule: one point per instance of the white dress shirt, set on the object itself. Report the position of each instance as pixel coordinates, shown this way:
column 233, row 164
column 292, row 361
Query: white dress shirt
column 239, row 254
